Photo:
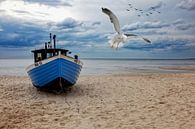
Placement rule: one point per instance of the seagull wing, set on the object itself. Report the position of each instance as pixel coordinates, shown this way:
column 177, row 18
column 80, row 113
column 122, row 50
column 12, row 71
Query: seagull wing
column 147, row 40
column 131, row 35
column 113, row 19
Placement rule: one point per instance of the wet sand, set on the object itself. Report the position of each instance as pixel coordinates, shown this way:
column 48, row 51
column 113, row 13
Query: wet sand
column 142, row 101
column 180, row 68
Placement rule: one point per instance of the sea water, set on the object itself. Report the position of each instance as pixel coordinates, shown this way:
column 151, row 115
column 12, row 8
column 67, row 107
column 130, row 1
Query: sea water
column 16, row 67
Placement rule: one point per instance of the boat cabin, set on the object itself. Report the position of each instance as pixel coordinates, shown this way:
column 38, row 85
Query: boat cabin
column 42, row 54
column 49, row 51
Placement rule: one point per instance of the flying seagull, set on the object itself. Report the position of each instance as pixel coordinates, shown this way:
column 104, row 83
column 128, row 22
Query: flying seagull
column 136, row 9
column 120, row 37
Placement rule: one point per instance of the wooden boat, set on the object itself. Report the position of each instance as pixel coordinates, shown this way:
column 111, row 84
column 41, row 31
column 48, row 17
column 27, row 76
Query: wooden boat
column 53, row 68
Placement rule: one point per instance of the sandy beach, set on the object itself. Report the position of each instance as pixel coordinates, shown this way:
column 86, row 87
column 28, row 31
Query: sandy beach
column 143, row 101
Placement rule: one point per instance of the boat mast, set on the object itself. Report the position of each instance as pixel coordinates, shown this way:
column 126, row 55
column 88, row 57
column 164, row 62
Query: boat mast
column 50, row 37
column 54, row 41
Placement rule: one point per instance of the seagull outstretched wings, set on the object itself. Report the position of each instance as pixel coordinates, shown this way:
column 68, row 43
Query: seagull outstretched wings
column 120, row 38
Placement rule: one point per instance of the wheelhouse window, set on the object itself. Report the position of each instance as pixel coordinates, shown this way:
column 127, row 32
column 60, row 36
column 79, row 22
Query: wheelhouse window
column 49, row 55
column 39, row 57
column 43, row 54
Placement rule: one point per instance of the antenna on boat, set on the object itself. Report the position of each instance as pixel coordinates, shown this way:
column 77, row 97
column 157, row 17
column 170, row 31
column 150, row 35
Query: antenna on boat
column 50, row 37
column 54, row 41
column 46, row 45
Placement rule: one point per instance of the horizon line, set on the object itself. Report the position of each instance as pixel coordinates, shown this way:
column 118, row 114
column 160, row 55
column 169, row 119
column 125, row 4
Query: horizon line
column 116, row 58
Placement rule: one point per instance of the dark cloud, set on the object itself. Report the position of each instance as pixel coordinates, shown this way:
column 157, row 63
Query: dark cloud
column 51, row 2
column 185, row 26
column 80, row 41
column 168, row 44
column 21, row 36
column 144, row 25
column 150, row 32
column 17, row 33
column 69, row 23
column 182, row 25
column 26, row 34
column 178, row 24
column 187, row 5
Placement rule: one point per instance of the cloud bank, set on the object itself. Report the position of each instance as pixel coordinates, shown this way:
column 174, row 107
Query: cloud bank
column 81, row 26
column 16, row 33
column 161, row 44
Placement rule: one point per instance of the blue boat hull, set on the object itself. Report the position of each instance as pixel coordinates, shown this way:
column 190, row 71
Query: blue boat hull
column 58, row 73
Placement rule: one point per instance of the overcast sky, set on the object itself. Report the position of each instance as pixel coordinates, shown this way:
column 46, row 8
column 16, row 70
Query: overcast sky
column 81, row 27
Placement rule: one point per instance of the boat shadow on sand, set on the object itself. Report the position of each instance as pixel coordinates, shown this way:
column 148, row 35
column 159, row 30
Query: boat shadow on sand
column 75, row 90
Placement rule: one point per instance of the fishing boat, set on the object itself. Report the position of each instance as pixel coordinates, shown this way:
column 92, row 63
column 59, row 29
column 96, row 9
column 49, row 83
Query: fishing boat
column 53, row 68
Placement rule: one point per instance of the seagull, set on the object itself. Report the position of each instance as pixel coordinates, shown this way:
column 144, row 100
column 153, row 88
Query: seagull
column 130, row 5
column 120, row 37
column 153, row 9
column 136, row 9
column 158, row 11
